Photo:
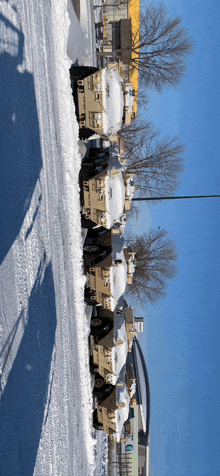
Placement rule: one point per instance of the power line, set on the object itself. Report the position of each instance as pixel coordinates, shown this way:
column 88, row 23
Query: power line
column 174, row 198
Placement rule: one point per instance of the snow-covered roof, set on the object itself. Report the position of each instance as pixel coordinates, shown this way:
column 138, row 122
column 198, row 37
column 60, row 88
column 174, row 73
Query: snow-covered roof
column 113, row 101
column 118, row 272
column 119, row 352
column 115, row 197
column 122, row 396
column 118, row 278
column 119, row 330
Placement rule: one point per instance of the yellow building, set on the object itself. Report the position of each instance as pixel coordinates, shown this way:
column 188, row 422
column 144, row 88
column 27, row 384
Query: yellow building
column 119, row 25
column 134, row 14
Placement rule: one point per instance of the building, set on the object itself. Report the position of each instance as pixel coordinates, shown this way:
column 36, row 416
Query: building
column 139, row 324
column 119, row 23
column 133, row 452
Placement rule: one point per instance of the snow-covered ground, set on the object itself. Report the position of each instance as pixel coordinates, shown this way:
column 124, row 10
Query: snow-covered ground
column 46, row 398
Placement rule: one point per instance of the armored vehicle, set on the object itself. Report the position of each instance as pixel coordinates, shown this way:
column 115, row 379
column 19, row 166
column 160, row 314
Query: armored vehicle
column 113, row 411
column 107, row 193
column 101, row 99
column 112, row 335
column 108, row 277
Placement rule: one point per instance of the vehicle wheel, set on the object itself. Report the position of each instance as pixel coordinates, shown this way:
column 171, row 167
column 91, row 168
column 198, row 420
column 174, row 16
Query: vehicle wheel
column 87, row 173
column 97, row 425
column 100, row 326
column 85, row 133
column 87, row 162
column 92, row 259
column 101, row 388
column 87, row 223
column 81, row 72
column 88, row 249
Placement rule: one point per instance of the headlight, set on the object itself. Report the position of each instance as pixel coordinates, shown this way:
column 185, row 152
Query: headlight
column 102, row 218
column 106, row 280
column 97, row 119
column 107, row 302
column 108, row 378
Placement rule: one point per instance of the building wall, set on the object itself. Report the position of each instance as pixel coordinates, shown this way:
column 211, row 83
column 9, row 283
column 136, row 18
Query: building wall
column 134, row 14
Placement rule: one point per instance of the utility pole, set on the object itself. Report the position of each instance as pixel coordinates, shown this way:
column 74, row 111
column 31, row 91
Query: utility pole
column 174, row 198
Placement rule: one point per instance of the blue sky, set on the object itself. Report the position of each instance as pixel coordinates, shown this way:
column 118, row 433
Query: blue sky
column 181, row 341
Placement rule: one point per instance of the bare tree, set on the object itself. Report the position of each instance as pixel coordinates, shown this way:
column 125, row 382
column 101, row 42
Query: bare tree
column 156, row 163
column 155, row 265
column 159, row 48
column 138, row 127
column 136, row 135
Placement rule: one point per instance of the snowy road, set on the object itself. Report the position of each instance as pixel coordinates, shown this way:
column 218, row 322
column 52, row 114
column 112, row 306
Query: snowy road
column 46, row 399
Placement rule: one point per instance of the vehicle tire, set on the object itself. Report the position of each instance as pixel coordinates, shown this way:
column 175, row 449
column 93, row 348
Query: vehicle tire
column 91, row 259
column 96, row 424
column 87, row 162
column 100, row 326
column 88, row 249
column 87, row 223
column 81, row 72
column 101, row 388
column 87, row 172
column 85, row 133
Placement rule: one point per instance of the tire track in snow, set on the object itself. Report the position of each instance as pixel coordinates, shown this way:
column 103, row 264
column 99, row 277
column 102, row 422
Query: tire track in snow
column 60, row 258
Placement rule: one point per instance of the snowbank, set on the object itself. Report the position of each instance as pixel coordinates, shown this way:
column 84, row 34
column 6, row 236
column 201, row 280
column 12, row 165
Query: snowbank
column 46, row 405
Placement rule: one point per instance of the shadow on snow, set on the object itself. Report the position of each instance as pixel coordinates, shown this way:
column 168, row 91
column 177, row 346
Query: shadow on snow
column 20, row 151
column 25, row 395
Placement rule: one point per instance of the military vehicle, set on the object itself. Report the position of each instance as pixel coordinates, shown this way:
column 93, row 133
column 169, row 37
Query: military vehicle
column 112, row 411
column 108, row 277
column 103, row 101
column 107, row 192
column 112, row 335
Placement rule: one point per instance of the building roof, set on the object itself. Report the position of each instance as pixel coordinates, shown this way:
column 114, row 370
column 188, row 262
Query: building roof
column 143, row 390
